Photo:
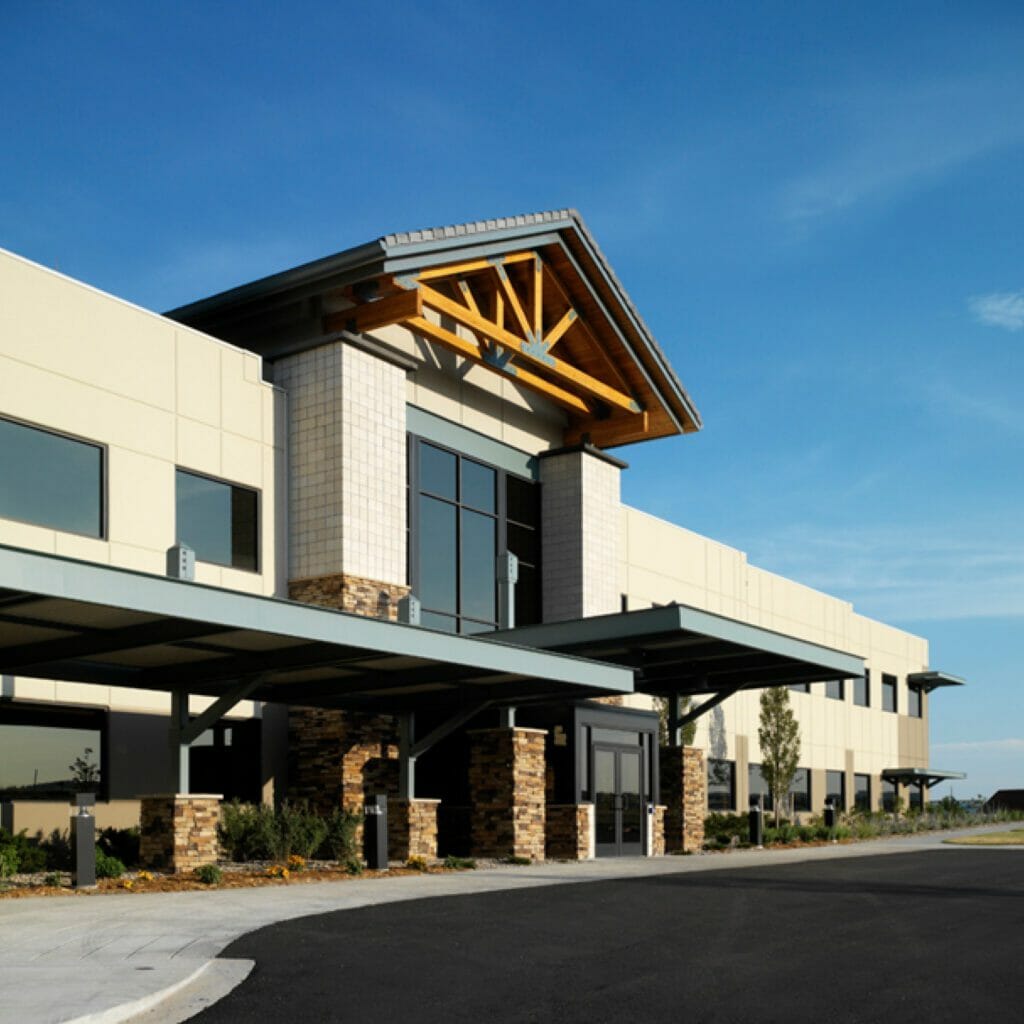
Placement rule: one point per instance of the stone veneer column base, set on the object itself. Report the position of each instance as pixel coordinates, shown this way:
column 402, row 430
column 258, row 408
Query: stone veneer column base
column 658, row 831
column 412, row 829
column 347, row 593
column 179, row 831
column 506, row 785
column 569, row 831
column 682, row 789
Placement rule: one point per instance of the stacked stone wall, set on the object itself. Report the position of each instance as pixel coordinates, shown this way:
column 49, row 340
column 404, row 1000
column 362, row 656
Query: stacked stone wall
column 682, row 789
column 178, row 833
column 412, row 829
column 658, row 832
column 506, row 781
column 568, row 828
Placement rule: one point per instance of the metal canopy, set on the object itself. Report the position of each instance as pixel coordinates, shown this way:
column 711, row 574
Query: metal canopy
column 80, row 622
column 678, row 649
column 928, row 681
column 924, row 776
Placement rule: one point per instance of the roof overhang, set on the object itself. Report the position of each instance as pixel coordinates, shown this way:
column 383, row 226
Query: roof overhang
column 928, row 681
column 679, row 649
column 75, row 621
column 531, row 298
column 920, row 776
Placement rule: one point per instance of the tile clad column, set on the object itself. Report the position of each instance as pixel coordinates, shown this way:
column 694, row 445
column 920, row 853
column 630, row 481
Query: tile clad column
column 506, row 783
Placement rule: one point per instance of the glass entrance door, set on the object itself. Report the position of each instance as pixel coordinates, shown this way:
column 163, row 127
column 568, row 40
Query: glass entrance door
column 618, row 801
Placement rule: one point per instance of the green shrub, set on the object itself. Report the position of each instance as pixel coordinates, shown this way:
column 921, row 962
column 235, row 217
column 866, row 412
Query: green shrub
column 417, row 863
column 53, row 879
column 340, row 842
column 514, row 859
column 107, row 866
column 300, row 831
column 459, row 863
column 209, row 874
column 725, row 826
column 122, row 843
column 8, row 861
column 841, row 832
column 806, row 833
column 19, row 854
column 354, row 866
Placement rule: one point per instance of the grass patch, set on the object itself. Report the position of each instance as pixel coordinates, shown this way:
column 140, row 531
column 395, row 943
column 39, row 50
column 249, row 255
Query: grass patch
column 1014, row 837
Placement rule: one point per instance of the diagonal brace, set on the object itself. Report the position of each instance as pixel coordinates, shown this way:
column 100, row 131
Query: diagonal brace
column 217, row 710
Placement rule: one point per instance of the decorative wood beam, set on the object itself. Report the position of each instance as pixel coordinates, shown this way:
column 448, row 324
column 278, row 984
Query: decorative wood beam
column 538, row 298
column 467, row 296
column 371, row 315
column 471, row 266
column 568, row 373
column 556, row 332
column 604, row 433
column 513, row 301
column 421, row 325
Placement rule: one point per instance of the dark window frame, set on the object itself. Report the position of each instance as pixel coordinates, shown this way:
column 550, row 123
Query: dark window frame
column 804, row 793
column 830, row 789
column 859, row 779
column 835, row 689
column 104, row 454
column 415, row 491
column 890, row 794
column 57, row 716
column 257, row 525
column 890, row 689
column 716, row 764
column 864, row 683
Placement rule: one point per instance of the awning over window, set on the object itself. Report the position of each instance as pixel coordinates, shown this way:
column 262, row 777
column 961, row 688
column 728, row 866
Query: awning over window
column 928, row 681
column 678, row 649
column 919, row 776
column 80, row 622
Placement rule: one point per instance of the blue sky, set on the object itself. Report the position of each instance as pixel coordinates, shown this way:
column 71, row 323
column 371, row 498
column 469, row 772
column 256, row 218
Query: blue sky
column 818, row 209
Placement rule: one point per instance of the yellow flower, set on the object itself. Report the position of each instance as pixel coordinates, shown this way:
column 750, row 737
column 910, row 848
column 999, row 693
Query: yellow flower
column 145, row 876
column 127, row 883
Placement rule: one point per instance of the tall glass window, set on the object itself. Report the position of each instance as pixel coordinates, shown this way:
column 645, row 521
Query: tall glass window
column 888, row 692
column 721, row 785
column 835, row 789
column 462, row 513
column 217, row 520
column 889, row 795
column 862, row 792
column 800, row 790
column 915, row 702
column 50, row 480
column 862, row 690
column 758, row 787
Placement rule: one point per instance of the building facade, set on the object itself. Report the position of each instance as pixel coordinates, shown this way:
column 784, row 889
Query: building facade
column 391, row 423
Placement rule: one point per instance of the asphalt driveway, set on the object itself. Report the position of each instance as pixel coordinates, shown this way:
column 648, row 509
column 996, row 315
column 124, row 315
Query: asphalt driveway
column 926, row 936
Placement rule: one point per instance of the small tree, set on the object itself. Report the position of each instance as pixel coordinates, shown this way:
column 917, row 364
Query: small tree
column 85, row 773
column 779, row 736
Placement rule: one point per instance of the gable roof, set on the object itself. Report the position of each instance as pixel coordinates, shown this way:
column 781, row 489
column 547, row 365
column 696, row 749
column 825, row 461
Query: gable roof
column 611, row 348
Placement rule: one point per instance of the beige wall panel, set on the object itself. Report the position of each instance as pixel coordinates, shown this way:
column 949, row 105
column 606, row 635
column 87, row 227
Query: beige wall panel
column 199, row 448
column 127, row 556
column 125, row 698
column 23, row 535
column 34, row 689
column 141, row 496
column 241, row 410
column 242, row 459
column 198, row 382
column 82, row 693
column 87, row 549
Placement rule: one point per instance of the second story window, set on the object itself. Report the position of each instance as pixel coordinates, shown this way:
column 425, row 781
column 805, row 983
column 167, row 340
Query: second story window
column 50, row 480
column 218, row 520
column 462, row 513
column 888, row 692
column 862, row 690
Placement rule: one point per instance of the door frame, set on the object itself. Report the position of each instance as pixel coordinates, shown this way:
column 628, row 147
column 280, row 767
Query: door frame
column 617, row 849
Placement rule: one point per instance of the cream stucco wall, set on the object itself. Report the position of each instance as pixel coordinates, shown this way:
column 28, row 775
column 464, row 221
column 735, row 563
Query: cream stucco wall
column 157, row 396
column 663, row 562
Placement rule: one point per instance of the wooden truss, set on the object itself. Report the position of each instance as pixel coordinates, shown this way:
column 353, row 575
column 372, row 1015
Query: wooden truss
column 509, row 314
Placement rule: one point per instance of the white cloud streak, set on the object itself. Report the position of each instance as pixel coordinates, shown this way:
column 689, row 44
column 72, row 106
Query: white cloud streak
column 1000, row 309
column 895, row 138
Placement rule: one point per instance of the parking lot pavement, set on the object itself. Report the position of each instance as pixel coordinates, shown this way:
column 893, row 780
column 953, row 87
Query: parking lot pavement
column 107, row 958
column 921, row 936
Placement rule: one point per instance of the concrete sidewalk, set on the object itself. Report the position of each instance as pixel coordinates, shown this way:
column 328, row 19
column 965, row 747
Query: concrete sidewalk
column 114, row 957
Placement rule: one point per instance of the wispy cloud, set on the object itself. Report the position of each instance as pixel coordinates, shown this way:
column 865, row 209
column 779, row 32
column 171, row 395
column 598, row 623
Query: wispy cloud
column 893, row 139
column 904, row 573
column 1000, row 309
